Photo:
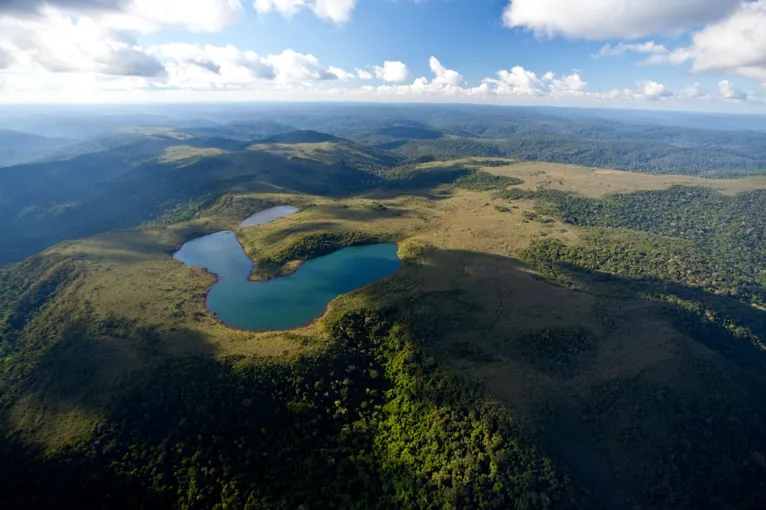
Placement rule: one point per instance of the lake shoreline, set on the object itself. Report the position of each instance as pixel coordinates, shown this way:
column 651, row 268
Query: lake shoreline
column 297, row 296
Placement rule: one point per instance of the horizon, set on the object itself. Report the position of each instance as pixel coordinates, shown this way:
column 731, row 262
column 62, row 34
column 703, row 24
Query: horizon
column 703, row 55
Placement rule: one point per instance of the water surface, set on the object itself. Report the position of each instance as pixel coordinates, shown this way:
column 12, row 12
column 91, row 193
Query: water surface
column 287, row 302
column 268, row 215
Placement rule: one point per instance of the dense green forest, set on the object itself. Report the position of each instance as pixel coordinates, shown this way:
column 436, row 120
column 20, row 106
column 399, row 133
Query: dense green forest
column 371, row 423
column 710, row 244
column 732, row 229
column 631, row 155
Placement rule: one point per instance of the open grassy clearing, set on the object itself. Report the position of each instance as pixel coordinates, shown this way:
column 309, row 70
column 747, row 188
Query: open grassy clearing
column 180, row 154
column 595, row 182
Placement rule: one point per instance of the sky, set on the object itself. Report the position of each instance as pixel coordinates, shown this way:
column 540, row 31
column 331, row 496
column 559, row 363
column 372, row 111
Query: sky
column 707, row 55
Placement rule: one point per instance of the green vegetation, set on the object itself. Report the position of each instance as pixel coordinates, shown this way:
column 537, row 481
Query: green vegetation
column 491, row 163
column 730, row 228
column 510, row 363
column 482, row 181
column 142, row 185
column 412, row 177
column 352, row 427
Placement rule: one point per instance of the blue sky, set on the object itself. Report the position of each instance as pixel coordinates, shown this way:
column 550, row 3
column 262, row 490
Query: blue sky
column 685, row 54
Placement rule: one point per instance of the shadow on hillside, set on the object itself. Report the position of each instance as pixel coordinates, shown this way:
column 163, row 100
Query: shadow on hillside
column 650, row 430
column 198, row 431
column 76, row 369
column 711, row 332
column 284, row 429
column 32, row 483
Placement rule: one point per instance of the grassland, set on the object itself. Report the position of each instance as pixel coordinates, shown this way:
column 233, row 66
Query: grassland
column 556, row 355
column 595, row 182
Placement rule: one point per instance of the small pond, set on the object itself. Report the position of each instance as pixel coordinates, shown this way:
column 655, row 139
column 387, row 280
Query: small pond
column 268, row 215
column 290, row 301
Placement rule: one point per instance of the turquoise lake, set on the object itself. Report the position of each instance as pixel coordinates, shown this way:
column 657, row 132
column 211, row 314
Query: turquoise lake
column 287, row 302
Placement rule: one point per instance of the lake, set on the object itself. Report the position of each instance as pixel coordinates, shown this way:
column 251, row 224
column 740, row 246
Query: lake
column 290, row 301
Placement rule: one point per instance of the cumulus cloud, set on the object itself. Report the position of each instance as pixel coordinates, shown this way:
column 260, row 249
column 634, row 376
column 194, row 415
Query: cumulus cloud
column 141, row 15
column 56, row 43
column 335, row 11
column 730, row 92
column 445, row 76
column 291, row 66
column 521, row 85
column 207, row 65
column 228, row 66
column 521, row 82
column 734, row 45
column 363, row 75
column 653, row 90
column 571, row 84
column 392, row 71
column 341, row 74
column 693, row 91
column 613, row 19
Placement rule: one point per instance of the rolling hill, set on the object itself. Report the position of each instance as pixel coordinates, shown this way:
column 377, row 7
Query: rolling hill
column 17, row 147
column 119, row 182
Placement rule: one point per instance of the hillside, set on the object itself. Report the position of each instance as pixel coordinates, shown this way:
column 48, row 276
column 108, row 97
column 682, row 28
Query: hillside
column 306, row 136
column 329, row 150
column 663, row 143
column 17, row 147
column 532, row 352
column 120, row 182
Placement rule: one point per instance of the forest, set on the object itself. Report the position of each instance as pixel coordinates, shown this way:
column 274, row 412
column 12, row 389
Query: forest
column 370, row 423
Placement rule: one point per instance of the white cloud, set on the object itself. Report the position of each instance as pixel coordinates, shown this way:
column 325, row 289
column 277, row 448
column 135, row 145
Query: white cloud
column 33, row 7
column 653, row 90
column 335, row 11
column 567, row 84
column 291, row 66
column 613, row 19
column 197, row 15
column 56, row 43
column 729, row 91
column 392, row 71
column 445, row 76
column 363, row 75
column 519, row 81
column 222, row 66
column 620, row 49
column 141, row 15
column 6, row 59
column 341, row 74
column 735, row 45
column 693, row 91
column 204, row 73
column 210, row 67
